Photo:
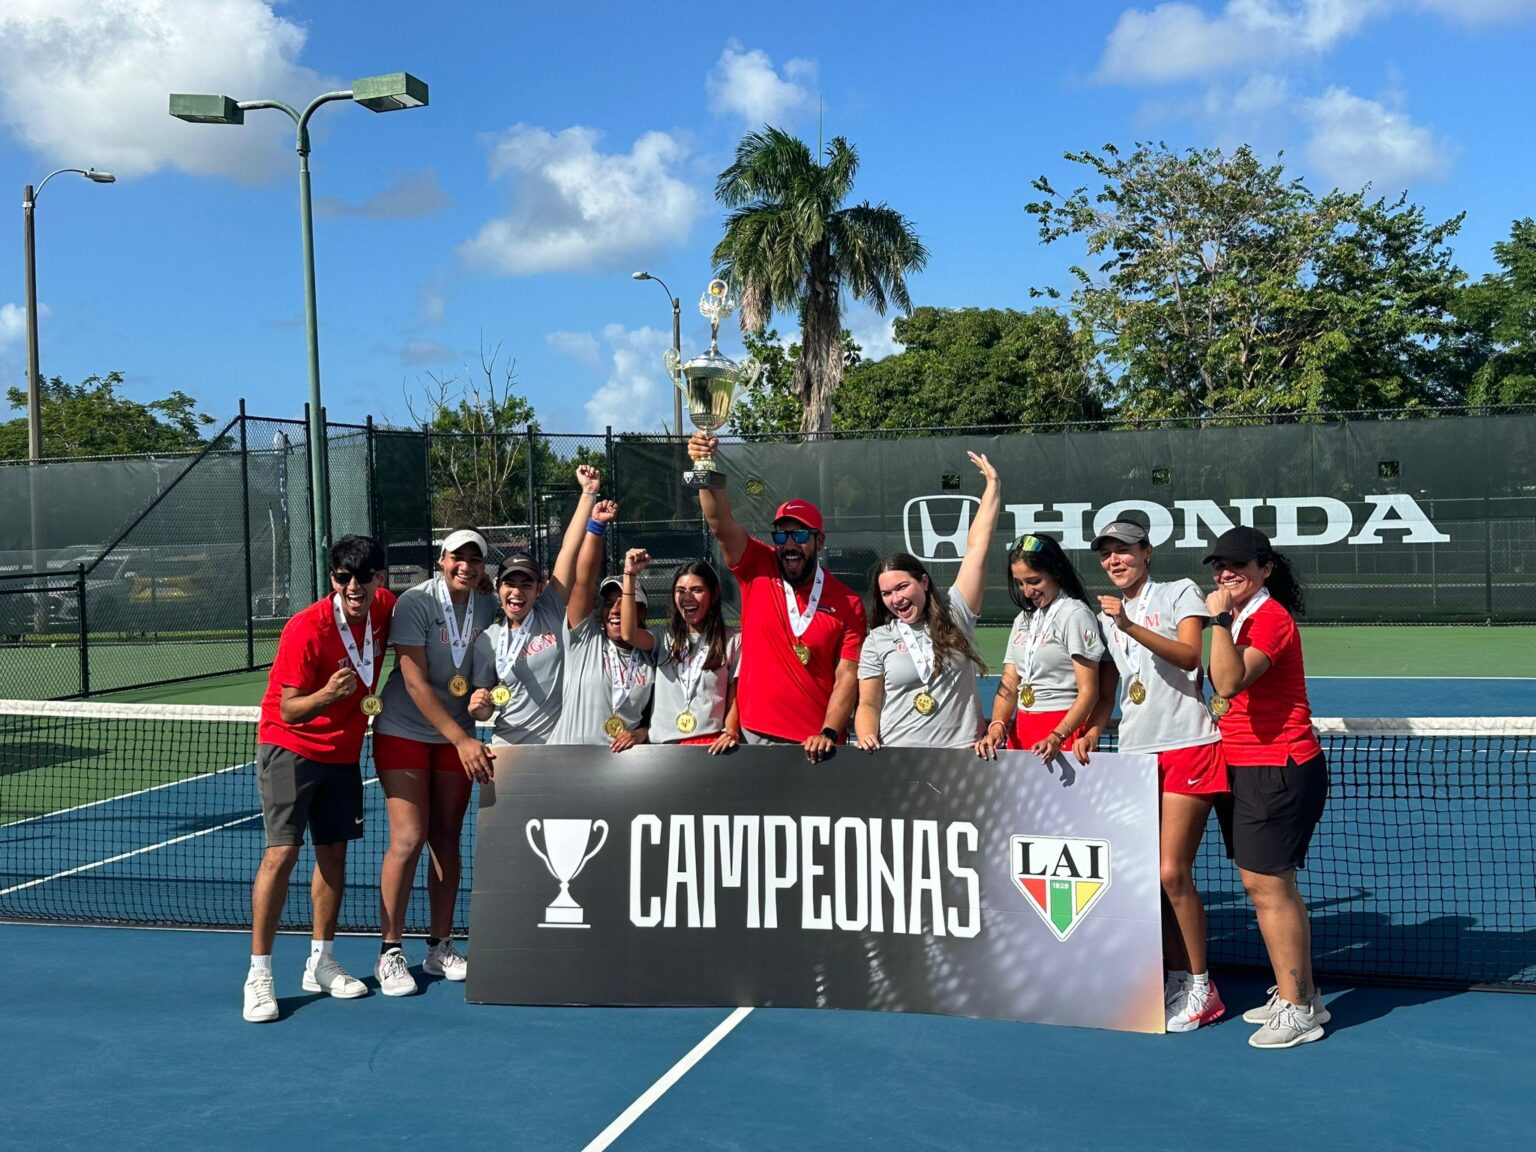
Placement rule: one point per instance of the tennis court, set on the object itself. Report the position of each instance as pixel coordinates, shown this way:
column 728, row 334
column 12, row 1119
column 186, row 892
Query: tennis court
column 1423, row 867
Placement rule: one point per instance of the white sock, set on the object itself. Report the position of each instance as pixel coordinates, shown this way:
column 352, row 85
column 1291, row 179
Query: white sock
column 1201, row 979
column 1174, row 976
column 318, row 948
column 261, row 963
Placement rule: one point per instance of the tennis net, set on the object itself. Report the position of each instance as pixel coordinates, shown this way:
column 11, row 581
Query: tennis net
column 1423, row 870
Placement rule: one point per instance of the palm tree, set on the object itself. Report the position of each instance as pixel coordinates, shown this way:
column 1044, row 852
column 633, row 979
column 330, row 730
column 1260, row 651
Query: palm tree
column 790, row 244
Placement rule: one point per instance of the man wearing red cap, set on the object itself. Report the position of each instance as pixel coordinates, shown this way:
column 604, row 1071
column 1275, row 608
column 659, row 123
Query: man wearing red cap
column 801, row 627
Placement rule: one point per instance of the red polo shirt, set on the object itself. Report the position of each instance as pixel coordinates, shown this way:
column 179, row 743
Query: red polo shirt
column 308, row 654
column 1271, row 721
column 778, row 695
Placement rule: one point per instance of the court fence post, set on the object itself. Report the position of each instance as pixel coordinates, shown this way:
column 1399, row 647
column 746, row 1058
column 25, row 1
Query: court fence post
column 245, row 515
column 610, row 466
column 309, row 470
column 85, row 631
column 536, row 547
column 369, row 479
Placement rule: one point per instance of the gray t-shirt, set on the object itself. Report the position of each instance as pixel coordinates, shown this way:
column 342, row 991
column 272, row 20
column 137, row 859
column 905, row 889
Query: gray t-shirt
column 955, row 721
column 535, row 677
column 1173, row 715
column 708, row 700
column 418, row 622
column 1065, row 629
column 586, row 701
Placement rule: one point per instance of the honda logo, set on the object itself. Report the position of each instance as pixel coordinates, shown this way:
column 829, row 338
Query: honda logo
column 933, row 523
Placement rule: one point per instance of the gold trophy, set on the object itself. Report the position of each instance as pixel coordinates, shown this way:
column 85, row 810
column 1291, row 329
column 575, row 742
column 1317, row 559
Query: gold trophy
column 710, row 382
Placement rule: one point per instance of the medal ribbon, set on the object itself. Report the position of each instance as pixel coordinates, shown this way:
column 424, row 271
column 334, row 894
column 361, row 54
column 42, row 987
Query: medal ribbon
column 919, row 647
column 620, row 674
column 1248, row 610
column 800, row 621
column 1123, row 640
column 691, row 671
column 363, row 661
column 510, row 645
column 458, row 641
column 1031, row 644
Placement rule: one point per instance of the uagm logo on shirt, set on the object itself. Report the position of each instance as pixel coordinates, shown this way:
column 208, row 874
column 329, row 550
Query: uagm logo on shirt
column 1062, row 877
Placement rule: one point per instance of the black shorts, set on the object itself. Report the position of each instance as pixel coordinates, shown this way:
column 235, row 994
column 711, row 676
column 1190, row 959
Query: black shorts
column 297, row 793
column 1268, row 818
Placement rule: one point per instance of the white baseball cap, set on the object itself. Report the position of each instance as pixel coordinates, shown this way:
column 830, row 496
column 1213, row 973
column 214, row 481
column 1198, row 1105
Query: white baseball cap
column 463, row 536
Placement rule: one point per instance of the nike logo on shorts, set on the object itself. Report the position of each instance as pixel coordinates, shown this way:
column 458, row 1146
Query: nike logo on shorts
column 359, row 820
column 1187, row 784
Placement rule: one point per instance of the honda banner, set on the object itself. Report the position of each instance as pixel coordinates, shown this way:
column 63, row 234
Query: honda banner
column 909, row 880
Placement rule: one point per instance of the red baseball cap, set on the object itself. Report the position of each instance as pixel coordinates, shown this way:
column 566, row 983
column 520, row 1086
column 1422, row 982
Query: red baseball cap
column 801, row 510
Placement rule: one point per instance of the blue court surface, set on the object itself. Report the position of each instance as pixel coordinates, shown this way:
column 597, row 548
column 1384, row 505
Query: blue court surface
column 133, row 1039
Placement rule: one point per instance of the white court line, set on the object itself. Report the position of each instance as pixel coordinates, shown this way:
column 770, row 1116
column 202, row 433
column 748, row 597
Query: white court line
column 128, row 795
column 127, row 855
column 655, row 1092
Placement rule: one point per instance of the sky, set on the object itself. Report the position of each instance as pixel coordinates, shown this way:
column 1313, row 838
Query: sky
column 565, row 147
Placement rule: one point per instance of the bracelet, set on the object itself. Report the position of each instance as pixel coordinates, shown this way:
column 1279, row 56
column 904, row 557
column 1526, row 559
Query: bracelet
column 1061, row 737
column 630, row 595
column 1003, row 724
column 597, row 528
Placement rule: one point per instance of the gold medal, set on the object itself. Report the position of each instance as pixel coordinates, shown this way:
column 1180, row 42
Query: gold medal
column 1026, row 696
column 1137, row 692
column 687, row 722
column 501, row 695
column 1220, row 706
column 802, row 654
column 924, row 704
column 458, row 686
column 612, row 727
column 372, row 705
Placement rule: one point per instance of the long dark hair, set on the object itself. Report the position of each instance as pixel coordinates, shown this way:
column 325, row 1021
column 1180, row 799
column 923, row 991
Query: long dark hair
column 949, row 642
column 1044, row 555
column 712, row 627
column 1284, row 585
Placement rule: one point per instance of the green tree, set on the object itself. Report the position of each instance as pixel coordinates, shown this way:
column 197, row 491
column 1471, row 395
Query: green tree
column 91, row 419
column 771, row 405
column 791, row 244
column 976, row 367
column 1222, row 285
column 1495, row 353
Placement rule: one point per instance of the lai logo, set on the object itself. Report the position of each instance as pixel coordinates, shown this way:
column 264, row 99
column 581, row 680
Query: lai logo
column 1062, row 877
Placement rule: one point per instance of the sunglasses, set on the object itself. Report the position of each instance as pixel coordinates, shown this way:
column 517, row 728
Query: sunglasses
column 362, row 576
column 798, row 535
column 1030, row 543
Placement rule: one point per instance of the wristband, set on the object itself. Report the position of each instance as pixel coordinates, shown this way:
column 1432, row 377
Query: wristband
column 830, row 734
column 597, row 528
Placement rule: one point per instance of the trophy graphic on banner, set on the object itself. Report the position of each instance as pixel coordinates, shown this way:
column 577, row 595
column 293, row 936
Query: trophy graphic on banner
column 710, row 382
column 565, row 855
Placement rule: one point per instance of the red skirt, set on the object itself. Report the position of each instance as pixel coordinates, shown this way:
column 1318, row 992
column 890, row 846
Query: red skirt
column 1029, row 728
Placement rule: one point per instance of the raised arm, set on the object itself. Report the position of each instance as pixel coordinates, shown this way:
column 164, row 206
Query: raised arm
column 589, row 563
column 972, row 580
column 1234, row 667
column 716, row 506
column 631, row 629
column 564, row 570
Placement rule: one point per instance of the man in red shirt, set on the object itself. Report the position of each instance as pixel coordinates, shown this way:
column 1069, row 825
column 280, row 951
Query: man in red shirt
column 801, row 627
column 320, row 693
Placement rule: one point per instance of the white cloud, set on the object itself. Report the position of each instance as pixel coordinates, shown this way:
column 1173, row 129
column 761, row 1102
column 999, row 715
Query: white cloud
column 577, row 209
column 1356, row 141
column 870, row 331
column 13, row 323
column 637, row 396
column 577, row 345
column 744, row 84
column 430, row 300
column 411, row 196
column 86, row 82
column 1178, row 41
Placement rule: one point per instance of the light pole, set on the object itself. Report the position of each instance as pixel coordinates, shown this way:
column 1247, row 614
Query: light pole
column 386, row 93
column 677, row 346
column 29, row 197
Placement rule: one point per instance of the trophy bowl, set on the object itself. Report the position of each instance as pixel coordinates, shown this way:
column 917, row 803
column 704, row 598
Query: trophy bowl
column 710, row 382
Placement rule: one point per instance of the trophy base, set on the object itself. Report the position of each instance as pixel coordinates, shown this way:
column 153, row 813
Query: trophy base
column 563, row 916
column 704, row 479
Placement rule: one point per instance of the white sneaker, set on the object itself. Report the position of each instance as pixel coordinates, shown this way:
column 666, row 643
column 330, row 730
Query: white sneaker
column 444, row 961
column 1174, row 989
column 1289, row 1025
column 1200, row 1006
column 260, row 1003
column 324, row 974
column 1262, row 1014
column 394, row 974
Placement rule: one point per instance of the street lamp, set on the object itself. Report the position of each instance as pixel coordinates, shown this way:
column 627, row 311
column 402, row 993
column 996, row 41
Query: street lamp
column 677, row 346
column 386, row 93
column 29, row 197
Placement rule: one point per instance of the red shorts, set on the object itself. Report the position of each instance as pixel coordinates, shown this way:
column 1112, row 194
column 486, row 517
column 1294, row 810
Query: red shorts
column 401, row 753
column 1196, row 771
column 700, row 739
column 1029, row 728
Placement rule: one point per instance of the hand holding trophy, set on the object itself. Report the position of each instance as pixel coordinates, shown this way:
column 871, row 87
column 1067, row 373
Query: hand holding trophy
column 710, row 382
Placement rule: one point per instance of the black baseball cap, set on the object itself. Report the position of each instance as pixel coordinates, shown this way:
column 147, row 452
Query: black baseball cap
column 520, row 564
column 1240, row 545
column 1124, row 531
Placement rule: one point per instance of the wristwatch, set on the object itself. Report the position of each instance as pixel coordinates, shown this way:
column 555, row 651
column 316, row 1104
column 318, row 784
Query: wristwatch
column 1222, row 620
column 830, row 734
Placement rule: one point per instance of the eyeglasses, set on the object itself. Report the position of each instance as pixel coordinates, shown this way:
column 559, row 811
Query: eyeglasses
column 798, row 535
column 362, row 576
column 1030, row 543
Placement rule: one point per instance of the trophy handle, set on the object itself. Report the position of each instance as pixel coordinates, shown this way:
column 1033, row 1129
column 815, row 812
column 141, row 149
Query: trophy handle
column 601, row 840
column 537, row 851
column 674, row 364
column 750, row 369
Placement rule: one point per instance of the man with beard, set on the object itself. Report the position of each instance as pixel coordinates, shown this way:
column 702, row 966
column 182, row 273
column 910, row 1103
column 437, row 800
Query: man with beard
column 801, row 627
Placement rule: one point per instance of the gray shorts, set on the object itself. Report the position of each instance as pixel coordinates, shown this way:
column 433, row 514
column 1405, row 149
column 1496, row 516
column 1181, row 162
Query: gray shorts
column 297, row 793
